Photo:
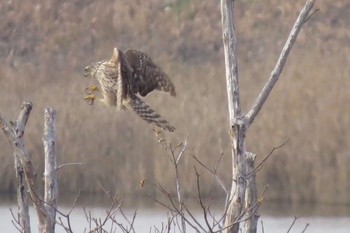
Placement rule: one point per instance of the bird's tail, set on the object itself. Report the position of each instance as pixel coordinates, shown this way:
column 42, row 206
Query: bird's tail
column 146, row 113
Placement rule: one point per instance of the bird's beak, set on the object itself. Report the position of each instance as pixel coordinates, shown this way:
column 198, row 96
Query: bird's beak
column 86, row 71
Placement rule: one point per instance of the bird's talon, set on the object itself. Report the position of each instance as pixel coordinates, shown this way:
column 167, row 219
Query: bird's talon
column 91, row 89
column 90, row 99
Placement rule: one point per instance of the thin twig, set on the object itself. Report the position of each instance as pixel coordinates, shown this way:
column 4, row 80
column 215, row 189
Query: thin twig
column 131, row 223
column 74, row 202
column 175, row 208
column 216, row 222
column 59, row 222
column 176, row 160
column 205, row 214
column 194, row 219
column 67, row 164
column 312, row 14
column 218, row 162
column 306, row 226
column 294, row 221
column 213, row 172
column 15, row 222
column 260, row 165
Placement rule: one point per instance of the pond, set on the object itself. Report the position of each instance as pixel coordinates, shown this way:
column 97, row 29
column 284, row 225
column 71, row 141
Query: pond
column 274, row 218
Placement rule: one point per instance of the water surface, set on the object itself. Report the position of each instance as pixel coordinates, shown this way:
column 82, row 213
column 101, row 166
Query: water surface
column 274, row 218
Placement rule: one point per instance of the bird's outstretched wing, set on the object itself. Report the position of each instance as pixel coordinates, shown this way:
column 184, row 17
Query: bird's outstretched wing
column 146, row 75
column 146, row 113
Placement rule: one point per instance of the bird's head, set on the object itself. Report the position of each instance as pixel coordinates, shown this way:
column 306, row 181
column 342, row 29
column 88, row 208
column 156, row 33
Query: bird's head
column 87, row 71
column 91, row 69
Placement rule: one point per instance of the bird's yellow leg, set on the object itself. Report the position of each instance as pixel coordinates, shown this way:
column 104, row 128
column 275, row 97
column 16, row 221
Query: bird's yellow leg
column 91, row 89
column 90, row 99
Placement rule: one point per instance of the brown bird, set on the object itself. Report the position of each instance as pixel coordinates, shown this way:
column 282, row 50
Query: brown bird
column 123, row 77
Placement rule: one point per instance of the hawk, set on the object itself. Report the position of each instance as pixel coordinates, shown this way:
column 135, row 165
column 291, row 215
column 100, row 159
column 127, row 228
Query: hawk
column 125, row 76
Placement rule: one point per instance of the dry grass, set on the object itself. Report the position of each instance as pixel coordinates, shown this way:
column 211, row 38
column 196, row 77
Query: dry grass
column 44, row 47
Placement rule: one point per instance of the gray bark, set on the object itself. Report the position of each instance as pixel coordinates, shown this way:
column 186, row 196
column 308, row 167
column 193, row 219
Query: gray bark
column 51, row 191
column 22, row 197
column 251, row 197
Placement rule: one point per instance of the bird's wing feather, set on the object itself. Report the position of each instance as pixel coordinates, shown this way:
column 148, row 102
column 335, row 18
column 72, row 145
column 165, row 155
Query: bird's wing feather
column 147, row 76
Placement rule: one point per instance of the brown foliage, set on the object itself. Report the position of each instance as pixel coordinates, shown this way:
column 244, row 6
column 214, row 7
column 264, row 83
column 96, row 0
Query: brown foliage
column 45, row 46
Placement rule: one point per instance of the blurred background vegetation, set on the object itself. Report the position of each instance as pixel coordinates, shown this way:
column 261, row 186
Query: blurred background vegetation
column 44, row 47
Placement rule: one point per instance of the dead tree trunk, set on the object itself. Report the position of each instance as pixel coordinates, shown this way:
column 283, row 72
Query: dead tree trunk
column 238, row 207
column 251, row 203
column 45, row 209
column 50, row 178
column 22, row 197
column 237, row 127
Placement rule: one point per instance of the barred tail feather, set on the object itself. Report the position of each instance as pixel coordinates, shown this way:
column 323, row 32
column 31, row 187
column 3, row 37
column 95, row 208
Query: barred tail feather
column 146, row 113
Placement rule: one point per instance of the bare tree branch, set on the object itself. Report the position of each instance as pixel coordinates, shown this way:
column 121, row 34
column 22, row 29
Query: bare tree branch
column 194, row 219
column 175, row 157
column 275, row 74
column 219, row 180
column 175, row 209
column 230, row 43
column 260, row 165
column 67, row 164
column 204, row 208
column 291, row 225
column 306, row 226
column 16, row 222
column 131, row 223
column 311, row 14
column 213, row 172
